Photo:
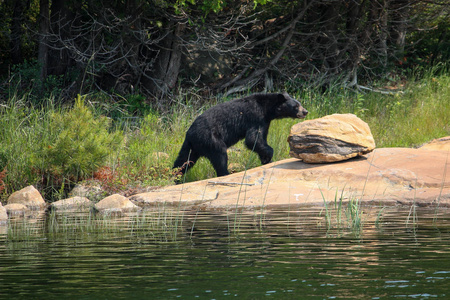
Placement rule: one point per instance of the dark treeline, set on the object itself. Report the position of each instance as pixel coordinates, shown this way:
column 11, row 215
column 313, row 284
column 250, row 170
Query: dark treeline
column 155, row 48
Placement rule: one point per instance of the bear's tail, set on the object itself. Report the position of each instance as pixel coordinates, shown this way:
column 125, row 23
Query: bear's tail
column 185, row 160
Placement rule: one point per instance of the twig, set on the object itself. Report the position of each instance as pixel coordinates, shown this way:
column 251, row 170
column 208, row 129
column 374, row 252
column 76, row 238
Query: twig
column 229, row 183
column 384, row 92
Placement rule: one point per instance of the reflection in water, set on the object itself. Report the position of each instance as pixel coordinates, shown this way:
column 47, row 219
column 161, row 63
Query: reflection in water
column 284, row 254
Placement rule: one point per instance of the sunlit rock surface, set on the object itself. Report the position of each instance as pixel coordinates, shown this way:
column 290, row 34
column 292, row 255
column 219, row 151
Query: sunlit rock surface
column 28, row 196
column 115, row 204
column 72, row 204
column 386, row 176
column 3, row 214
column 442, row 144
column 16, row 209
column 331, row 138
column 93, row 192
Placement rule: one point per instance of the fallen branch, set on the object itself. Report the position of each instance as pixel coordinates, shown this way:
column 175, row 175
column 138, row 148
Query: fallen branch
column 229, row 183
column 384, row 92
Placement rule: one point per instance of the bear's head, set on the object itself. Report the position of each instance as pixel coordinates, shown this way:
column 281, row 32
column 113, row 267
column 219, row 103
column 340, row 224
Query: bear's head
column 288, row 107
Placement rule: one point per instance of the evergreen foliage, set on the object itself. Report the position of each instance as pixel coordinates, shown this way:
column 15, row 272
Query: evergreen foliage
column 82, row 143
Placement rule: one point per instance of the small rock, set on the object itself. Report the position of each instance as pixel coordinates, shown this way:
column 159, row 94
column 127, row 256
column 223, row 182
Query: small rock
column 72, row 204
column 16, row 209
column 3, row 215
column 331, row 138
column 112, row 212
column 160, row 156
column 236, row 167
column 29, row 196
column 114, row 202
column 92, row 192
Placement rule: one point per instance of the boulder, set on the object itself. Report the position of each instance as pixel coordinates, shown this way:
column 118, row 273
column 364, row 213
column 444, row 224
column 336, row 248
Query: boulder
column 330, row 139
column 29, row 196
column 16, row 209
column 72, row 204
column 116, row 203
column 3, row 215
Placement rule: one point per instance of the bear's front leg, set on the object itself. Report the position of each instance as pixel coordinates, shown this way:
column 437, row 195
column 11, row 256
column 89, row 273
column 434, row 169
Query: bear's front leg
column 265, row 155
column 255, row 140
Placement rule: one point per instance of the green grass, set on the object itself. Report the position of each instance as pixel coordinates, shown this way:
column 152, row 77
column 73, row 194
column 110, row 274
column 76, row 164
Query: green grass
column 159, row 226
column 418, row 113
column 340, row 216
column 415, row 117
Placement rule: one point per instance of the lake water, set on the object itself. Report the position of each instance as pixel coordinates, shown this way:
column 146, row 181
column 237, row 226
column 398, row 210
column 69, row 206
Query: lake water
column 284, row 254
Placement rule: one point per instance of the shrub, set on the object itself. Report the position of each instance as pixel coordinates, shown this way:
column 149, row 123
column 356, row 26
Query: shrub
column 82, row 143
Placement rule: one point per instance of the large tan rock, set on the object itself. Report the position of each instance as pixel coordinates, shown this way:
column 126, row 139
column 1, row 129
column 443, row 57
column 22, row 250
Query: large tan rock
column 29, row 196
column 386, row 176
column 116, row 203
column 331, row 138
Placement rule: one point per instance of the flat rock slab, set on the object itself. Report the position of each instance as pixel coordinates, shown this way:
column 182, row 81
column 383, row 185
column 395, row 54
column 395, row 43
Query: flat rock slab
column 179, row 195
column 387, row 176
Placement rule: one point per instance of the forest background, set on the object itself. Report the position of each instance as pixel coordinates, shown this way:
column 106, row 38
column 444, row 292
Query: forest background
column 145, row 69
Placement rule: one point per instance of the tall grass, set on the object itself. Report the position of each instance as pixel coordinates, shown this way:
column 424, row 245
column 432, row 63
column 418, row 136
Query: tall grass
column 340, row 216
column 159, row 226
column 416, row 114
column 24, row 132
column 419, row 114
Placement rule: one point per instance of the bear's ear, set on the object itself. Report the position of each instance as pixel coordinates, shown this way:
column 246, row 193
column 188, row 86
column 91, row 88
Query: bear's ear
column 283, row 97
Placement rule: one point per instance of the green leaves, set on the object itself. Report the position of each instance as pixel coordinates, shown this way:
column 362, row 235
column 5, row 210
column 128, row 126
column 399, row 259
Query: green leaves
column 82, row 144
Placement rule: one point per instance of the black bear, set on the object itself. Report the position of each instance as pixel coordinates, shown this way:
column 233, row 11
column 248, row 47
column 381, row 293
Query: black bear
column 225, row 124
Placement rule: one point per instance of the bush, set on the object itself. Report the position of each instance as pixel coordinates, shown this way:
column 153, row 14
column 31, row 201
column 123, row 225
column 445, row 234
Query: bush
column 82, row 143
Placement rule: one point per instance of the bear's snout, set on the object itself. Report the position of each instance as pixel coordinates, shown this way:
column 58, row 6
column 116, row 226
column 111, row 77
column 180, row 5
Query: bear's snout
column 301, row 113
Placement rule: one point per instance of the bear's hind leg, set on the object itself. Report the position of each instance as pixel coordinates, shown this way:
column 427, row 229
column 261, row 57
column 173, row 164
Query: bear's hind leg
column 219, row 160
column 183, row 163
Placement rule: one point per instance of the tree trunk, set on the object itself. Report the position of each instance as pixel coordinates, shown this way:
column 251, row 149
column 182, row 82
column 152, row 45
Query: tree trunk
column 329, row 37
column 168, row 62
column 17, row 32
column 44, row 14
column 58, row 59
column 383, row 45
column 353, row 47
column 399, row 25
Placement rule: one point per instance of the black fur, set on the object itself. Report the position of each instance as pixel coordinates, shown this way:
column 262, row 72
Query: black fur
column 225, row 124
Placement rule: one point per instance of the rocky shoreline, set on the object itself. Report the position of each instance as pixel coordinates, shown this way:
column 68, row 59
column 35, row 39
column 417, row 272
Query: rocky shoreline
column 386, row 176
